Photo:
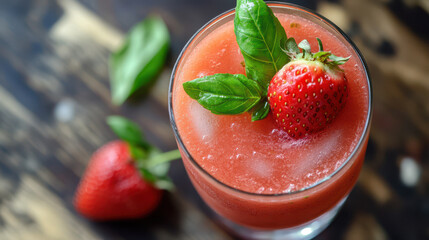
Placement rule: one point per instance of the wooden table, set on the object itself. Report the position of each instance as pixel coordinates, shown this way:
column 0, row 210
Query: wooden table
column 54, row 98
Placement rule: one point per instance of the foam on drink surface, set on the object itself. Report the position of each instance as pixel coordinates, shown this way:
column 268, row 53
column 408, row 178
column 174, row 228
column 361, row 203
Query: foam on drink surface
column 256, row 156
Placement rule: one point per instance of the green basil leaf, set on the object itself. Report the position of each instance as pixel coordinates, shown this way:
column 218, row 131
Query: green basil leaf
column 224, row 93
column 258, row 33
column 260, row 111
column 140, row 58
column 127, row 131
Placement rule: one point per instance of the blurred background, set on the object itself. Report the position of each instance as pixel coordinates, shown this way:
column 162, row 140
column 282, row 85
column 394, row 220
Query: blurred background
column 54, row 98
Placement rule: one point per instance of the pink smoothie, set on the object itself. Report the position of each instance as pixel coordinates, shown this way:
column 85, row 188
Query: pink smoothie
column 256, row 157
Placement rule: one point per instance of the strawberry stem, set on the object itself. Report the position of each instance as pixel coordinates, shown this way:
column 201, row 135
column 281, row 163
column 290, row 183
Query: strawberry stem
column 163, row 158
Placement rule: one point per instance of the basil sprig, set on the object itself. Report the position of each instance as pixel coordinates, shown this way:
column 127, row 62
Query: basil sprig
column 140, row 58
column 259, row 34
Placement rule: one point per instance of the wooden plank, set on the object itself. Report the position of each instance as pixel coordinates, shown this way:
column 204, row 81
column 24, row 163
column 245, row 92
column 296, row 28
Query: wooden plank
column 35, row 213
column 78, row 22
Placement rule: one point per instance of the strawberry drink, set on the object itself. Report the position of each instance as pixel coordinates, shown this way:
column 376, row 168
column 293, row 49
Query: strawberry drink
column 283, row 159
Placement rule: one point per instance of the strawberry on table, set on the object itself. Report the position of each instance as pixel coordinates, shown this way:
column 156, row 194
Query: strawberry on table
column 112, row 187
column 124, row 178
column 307, row 93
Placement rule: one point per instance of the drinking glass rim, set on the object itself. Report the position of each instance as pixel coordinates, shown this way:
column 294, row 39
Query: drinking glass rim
column 279, row 5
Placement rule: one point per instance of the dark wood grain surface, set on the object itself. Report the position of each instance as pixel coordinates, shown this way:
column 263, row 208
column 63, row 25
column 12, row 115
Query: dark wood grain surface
column 54, row 98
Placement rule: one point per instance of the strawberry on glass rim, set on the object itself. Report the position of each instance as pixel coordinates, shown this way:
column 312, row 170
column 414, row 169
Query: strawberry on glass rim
column 308, row 92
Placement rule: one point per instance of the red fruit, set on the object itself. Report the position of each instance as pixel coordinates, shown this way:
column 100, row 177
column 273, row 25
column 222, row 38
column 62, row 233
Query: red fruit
column 112, row 187
column 305, row 96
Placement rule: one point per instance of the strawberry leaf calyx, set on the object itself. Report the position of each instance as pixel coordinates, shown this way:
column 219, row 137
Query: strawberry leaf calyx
column 319, row 42
column 149, row 160
column 289, row 47
column 306, row 48
column 292, row 49
column 128, row 131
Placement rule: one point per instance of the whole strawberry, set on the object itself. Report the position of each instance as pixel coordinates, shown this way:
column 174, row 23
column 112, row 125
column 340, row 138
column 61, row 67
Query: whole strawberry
column 112, row 187
column 307, row 93
column 123, row 178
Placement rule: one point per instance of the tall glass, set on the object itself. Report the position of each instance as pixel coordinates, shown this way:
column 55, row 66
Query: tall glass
column 275, row 216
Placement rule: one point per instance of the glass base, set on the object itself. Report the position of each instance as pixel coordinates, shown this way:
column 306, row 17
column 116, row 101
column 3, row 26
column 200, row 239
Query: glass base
column 305, row 231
